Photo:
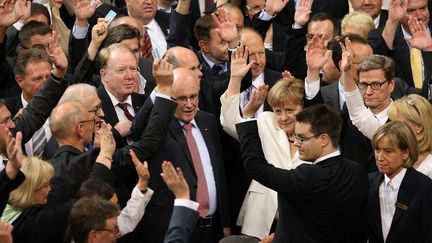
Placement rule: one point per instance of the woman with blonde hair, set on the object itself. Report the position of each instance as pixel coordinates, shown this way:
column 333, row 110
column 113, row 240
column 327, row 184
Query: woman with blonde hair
column 358, row 23
column 34, row 189
column 416, row 112
column 276, row 130
column 399, row 196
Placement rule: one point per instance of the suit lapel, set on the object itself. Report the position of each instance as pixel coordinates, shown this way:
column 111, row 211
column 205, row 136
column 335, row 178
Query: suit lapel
column 177, row 132
column 107, row 107
column 205, row 131
column 374, row 210
column 403, row 197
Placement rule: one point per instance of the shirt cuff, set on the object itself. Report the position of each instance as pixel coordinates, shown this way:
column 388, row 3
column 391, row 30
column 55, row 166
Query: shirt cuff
column 311, row 89
column 265, row 16
column 18, row 25
column 186, row 203
column 296, row 26
column 79, row 32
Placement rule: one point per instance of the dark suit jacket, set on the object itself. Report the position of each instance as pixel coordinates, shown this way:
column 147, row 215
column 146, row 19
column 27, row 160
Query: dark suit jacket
column 8, row 85
column 323, row 202
column 181, row 226
column 72, row 166
column 7, row 185
column 14, row 104
column 156, row 218
column 383, row 18
column 410, row 224
column 111, row 115
column 401, row 57
column 270, row 78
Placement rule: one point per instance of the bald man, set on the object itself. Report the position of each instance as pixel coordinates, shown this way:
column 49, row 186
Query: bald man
column 200, row 161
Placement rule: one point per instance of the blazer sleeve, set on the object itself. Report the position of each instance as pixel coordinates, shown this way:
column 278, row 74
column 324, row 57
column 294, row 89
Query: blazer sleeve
column 178, row 25
column 377, row 42
column 181, row 226
column 153, row 136
column 39, row 108
column 230, row 114
column 288, row 182
column 7, row 185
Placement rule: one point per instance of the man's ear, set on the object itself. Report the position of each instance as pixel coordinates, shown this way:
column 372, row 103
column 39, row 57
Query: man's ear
column 203, row 46
column 19, row 80
column 103, row 73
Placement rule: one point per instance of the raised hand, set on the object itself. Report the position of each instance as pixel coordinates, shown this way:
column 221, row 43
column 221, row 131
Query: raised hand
column 397, row 10
column 142, row 171
column 287, row 74
column 57, row 55
column 11, row 12
column 225, row 28
column 83, row 11
column 275, row 6
column 421, row 36
column 23, row 8
column 347, row 55
column 175, row 181
column 302, row 13
column 123, row 127
column 257, row 99
column 239, row 65
column 14, row 152
column 316, row 53
column 163, row 74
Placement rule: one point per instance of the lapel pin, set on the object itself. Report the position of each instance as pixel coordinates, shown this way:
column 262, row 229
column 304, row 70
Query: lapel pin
column 401, row 206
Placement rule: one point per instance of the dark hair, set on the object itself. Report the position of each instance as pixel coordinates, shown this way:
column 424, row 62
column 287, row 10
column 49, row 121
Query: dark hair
column 30, row 29
column 322, row 16
column 337, row 50
column 203, row 26
column 119, row 33
column 29, row 55
column 322, row 120
column 37, row 8
column 97, row 188
column 90, row 213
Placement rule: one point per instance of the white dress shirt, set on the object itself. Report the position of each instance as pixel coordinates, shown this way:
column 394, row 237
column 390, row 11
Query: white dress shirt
column 157, row 37
column 120, row 113
column 255, row 83
column 388, row 192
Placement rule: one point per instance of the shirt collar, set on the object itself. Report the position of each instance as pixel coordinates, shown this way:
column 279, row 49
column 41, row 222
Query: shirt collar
column 152, row 25
column 383, row 116
column 194, row 124
column 258, row 80
column 115, row 101
column 211, row 64
column 330, row 155
column 377, row 21
column 23, row 101
column 397, row 180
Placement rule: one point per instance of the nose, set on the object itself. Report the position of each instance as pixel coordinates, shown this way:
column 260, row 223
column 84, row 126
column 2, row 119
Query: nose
column 10, row 124
column 369, row 90
column 378, row 155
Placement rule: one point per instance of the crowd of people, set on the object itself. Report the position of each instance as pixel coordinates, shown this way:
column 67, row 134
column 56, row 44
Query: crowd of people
column 215, row 121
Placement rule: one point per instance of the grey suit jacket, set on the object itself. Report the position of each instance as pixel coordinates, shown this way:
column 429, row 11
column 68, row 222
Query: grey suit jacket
column 181, row 226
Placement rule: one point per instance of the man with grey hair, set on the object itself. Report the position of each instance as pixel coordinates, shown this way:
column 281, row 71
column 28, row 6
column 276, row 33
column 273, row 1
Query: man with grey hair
column 72, row 144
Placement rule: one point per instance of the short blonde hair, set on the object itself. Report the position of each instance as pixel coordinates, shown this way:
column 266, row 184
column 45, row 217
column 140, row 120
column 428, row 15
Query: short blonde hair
column 105, row 53
column 38, row 173
column 399, row 136
column 357, row 20
column 286, row 91
column 418, row 110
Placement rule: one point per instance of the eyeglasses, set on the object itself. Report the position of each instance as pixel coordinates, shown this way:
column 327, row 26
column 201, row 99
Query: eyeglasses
column 185, row 99
column 199, row 67
column 92, row 122
column 115, row 231
column 96, row 109
column 253, row 55
column 375, row 85
column 301, row 139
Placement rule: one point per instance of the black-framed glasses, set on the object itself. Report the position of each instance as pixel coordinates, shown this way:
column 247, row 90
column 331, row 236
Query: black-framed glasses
column 185, row 99
column 375, row 85
column 115, row 231
column 302, row 139
column 96, row 109
column 92, row 122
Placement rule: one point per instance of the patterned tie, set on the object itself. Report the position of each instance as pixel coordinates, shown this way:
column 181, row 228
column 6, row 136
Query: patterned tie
column 124, row 106
column 202, row 196
column 209, row 5
column 147, row 47
column 247, row 96
column 216, row 69
column 39, row 141
column 416, row 67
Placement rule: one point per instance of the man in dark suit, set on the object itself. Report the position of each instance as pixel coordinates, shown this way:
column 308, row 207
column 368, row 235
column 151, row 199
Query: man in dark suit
column 412, row 63
column 323, row 201
column 201, row 164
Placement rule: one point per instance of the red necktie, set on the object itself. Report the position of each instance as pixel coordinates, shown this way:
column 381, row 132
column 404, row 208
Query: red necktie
column 147, row 47
column 202, row 196
column 124, row 106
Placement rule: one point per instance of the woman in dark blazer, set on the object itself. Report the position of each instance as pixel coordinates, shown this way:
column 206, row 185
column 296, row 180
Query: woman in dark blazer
column 400, row 201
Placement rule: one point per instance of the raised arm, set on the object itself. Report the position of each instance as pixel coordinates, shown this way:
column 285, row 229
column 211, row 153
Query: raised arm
column 396, row 12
